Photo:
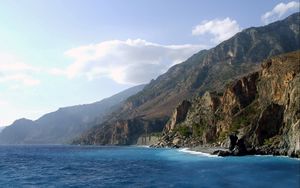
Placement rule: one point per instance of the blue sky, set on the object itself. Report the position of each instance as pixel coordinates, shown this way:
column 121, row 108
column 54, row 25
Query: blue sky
column 56, row 53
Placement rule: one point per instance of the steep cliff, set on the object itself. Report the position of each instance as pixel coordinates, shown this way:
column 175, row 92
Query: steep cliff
column 208, row 70
column 262, row 109
column 122, row 132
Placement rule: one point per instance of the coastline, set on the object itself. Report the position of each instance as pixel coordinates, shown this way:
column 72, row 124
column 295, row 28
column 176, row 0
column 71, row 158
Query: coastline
column 201, row 152
column 207, row 150
column 210, row 152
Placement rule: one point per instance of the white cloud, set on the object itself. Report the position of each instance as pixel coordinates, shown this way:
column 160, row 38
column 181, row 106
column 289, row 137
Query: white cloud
column 279, row 11
column 131, row 61
column 25, row 79
column 220, row 29
column 3, row 102
column 15, row 72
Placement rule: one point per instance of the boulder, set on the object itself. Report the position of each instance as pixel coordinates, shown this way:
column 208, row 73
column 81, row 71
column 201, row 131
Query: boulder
column 240, row 148
column 222, row 153
column 176, row 141
column 233, row 139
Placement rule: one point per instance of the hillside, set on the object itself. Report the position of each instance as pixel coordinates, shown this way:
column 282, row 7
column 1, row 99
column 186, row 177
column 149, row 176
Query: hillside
column 261, row 109
column 1, row 128
column 211, row 69
column 64, row 124
column 208, row 70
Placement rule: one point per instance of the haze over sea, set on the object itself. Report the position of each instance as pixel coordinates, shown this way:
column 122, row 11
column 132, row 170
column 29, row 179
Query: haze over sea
column 79, row 166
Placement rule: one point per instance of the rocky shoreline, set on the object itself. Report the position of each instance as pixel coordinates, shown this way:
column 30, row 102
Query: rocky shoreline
column 257, row 114
column 225, row 152
column 237, row 147
column 214, row 151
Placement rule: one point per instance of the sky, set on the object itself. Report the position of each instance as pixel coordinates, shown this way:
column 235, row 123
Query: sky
column 56, row 53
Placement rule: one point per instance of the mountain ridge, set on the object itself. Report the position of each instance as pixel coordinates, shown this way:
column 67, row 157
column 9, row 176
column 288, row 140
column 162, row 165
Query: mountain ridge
column 205, row 71
column 64, row 124
column 218, row 57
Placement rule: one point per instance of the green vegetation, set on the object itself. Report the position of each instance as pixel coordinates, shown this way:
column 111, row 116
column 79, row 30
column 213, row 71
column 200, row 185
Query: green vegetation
column 244, row 118
column 268, row 142
column 184, row 131
column 238, row 122
column 271, row 141
column 198, row 130
column 223, row 135
column 157, row 134
column 219, row 116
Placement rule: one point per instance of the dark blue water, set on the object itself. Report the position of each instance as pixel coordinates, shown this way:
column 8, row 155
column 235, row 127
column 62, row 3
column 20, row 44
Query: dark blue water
column 75, row 166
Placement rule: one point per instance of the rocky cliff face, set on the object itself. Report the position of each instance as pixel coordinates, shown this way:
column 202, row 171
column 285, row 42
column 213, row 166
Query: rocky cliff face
column 178, row 115
column 262, row 108
column 208, row 70
column 121, row 132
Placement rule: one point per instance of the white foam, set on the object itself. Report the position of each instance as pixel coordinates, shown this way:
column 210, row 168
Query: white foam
column 287, row 157
column 141, row 146
column 279, row 156
column 187, row 150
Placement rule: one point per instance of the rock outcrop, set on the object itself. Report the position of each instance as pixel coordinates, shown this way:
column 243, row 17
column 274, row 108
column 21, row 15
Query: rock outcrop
column 147, row 140
column 260, row 112
column 178, row 115
column 122, row 132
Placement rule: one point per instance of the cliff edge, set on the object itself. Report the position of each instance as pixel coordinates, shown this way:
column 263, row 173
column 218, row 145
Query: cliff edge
column 260, row 110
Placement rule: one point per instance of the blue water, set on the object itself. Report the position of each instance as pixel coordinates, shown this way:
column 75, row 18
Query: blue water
column 76, row 166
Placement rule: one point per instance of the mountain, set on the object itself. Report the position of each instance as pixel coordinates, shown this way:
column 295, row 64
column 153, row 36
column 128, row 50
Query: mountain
column 208, row 70
column 260, row 109
column 1, row 128
column 64, row 124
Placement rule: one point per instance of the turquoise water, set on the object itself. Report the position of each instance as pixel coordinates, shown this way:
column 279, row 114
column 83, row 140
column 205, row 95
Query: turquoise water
column 77, row 166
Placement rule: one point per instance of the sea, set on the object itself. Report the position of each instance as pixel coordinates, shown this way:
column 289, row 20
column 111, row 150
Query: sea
column 93, row 166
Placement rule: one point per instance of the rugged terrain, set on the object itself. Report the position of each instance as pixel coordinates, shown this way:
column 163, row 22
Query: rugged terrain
column 260, row 112
column 209, row 70
column 65, row 124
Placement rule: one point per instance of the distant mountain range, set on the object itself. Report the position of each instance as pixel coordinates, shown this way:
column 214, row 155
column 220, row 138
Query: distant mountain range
column 64, row 124
column 208, row 70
